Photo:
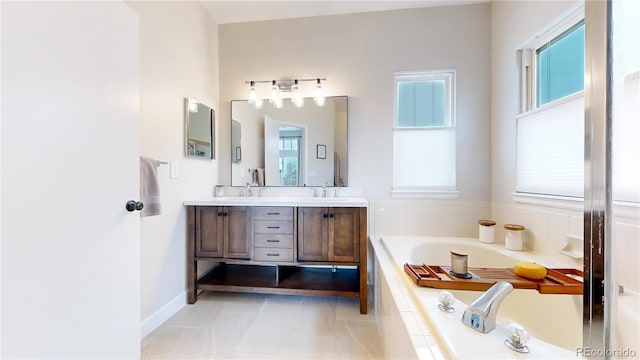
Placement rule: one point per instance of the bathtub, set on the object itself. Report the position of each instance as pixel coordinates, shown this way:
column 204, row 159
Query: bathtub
column 553, row 321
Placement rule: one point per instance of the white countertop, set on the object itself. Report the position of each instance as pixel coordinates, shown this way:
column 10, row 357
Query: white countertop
column 279, row 201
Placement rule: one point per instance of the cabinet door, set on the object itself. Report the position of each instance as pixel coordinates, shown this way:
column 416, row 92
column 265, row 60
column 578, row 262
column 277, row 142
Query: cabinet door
column 345, row 234
column 237, row 242
column 209, row 231
column 313, row 234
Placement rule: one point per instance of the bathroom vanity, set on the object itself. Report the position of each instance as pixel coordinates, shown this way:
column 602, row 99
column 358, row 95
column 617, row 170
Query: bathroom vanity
column 279, row 245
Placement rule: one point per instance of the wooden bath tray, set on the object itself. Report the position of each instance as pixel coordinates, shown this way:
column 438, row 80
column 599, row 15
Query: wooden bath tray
column 557, row 281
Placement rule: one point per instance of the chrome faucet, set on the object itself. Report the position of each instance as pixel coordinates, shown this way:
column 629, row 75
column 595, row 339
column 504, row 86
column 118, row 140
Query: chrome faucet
column 324, row 190
column 246, row 190
column 481, row 314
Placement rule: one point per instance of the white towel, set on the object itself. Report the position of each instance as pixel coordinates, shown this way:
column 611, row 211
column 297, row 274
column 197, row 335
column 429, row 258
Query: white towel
column 149, row 188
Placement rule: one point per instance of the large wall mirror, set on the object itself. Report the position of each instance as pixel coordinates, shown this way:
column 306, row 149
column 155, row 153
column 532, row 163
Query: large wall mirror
column 290, row 146
column 199, row 136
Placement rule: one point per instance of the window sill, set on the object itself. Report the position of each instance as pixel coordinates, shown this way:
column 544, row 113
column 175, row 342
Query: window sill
column 424, row 194
column 559, row 202
column 624, row 209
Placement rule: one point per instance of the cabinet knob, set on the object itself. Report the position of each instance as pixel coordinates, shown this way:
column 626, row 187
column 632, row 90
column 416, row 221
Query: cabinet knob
column 133, row 205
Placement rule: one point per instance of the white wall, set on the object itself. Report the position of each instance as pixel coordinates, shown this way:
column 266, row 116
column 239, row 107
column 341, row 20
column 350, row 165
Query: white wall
column 179, row 58
column 358, row 55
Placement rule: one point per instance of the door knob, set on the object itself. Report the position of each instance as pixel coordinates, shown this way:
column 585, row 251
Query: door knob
column 134, row 205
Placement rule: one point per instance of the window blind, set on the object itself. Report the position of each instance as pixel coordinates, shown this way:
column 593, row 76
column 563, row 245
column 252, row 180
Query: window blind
column 550, row 149
column 424, row 158
column 626, row 140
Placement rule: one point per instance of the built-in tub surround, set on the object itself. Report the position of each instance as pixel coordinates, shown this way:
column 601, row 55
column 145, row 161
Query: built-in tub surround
column 436, row 334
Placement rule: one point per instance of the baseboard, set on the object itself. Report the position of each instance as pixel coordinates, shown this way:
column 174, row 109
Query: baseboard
column 161, row 315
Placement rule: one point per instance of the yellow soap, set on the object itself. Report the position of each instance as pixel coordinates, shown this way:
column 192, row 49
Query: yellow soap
column 530, row 270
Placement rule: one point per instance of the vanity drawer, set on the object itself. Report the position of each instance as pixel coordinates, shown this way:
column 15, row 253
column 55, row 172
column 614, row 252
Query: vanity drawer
column 273, row 241
column 273, row 213
column 270, row 254
column 273, row 227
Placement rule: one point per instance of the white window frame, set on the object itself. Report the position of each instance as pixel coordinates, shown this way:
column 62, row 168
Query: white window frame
column 416, row 191
column 528, row 92
column 449, row 77
column 528, row 61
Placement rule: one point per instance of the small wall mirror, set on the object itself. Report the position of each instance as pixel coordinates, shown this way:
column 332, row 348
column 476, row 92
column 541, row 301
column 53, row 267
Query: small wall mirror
column 289, row 146
column 199, row 136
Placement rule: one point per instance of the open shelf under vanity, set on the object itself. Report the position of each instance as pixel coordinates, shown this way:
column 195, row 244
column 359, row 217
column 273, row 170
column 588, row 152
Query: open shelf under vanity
column 282, row 279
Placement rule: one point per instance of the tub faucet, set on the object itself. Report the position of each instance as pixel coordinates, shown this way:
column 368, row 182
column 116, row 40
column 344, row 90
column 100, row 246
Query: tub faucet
column 481, row 314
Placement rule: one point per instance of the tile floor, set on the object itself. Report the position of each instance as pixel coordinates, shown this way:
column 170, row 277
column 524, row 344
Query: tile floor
column 257, row 326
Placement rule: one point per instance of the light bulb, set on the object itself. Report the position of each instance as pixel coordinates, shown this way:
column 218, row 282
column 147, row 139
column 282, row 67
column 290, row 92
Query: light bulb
column 319, row 97
column 258, row 103
column 274, row 93
column 193, row 106
column 278, row 103
column 252, row 93
column 296, row 98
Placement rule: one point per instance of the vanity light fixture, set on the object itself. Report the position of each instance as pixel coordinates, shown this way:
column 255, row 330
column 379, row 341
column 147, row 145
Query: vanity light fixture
column 319, row 98
column 280, row 86
column 278, row 103
column 296, row 98
column 252, row 93
column 274, row 93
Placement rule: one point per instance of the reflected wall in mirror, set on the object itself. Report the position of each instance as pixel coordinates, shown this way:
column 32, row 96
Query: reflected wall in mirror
column 199, row 136
column 236, row 149
column 278, row 147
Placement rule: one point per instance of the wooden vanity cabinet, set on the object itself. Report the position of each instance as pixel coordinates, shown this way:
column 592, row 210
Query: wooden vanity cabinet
column 223, row 232
column 273, row 233
column 237, row 239
column 209, row 231
column 328, row 234
column 297, row 250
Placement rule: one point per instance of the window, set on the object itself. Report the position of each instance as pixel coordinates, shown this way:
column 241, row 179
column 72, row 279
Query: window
column 424, row 99
column 550, row 127
column 560, row 66
column 552, row 64
column 424, row 135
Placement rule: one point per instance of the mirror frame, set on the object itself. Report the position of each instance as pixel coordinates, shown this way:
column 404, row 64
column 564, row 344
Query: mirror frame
column 187, row 102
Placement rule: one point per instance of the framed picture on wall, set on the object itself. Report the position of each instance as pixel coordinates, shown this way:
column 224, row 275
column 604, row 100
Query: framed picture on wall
column 321, row 151
column 238, row 154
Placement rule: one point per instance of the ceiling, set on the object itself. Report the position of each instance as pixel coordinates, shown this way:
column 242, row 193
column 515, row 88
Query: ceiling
column 226, row 12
